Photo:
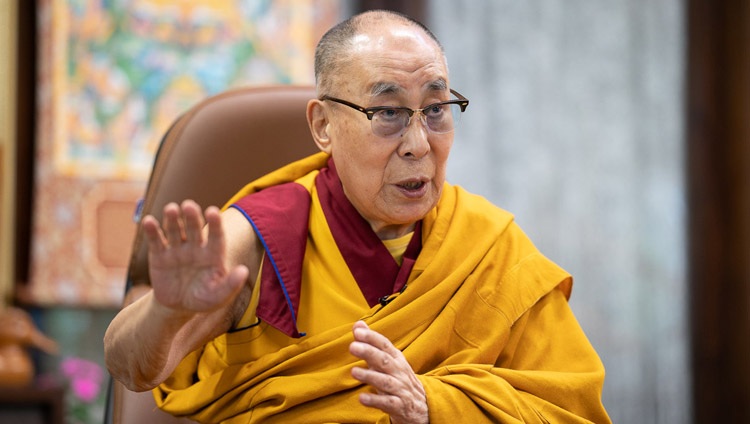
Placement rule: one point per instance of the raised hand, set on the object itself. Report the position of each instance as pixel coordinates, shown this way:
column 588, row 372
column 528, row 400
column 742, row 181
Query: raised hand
column 398, row 391
column 187, row 263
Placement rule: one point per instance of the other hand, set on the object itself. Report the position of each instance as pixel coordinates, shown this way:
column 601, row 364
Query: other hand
column 399, row 393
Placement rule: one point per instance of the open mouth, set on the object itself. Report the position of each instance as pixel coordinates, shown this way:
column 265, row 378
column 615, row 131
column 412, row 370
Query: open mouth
column 413, row 187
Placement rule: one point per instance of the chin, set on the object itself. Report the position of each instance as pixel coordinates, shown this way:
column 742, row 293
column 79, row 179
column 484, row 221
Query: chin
column 414, row 214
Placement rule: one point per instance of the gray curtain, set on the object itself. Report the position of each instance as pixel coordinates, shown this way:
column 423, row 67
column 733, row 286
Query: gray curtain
column 575, row 125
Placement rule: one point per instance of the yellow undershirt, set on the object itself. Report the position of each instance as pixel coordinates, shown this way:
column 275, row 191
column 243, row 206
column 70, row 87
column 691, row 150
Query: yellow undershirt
column 398, row 246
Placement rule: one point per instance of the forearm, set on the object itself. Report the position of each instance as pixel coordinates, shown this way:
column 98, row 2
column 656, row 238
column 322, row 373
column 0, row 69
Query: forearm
column 198, row 269
column 146, row 341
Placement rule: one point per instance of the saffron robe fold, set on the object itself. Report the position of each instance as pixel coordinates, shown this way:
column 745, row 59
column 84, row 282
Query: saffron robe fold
column 484, row 323
column 284, row 217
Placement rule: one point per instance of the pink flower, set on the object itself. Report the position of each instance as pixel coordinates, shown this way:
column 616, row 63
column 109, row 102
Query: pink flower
column 86, row 390
column 85, row 377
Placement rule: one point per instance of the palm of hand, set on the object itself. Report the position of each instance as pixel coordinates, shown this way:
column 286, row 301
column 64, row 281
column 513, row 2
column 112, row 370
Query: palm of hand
column 188, row 277
column 187, row 270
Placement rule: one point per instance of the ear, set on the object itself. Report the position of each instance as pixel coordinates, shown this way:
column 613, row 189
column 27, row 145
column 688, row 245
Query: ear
column 317, row 118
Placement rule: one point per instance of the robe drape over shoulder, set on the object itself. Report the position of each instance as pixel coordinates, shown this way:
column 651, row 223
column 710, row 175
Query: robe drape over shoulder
column 483, row 320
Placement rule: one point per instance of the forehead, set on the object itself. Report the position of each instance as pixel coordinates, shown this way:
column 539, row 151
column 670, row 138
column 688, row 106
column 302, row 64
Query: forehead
column 393, row 58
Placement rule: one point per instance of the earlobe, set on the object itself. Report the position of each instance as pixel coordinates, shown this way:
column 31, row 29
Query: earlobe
column 317, row 118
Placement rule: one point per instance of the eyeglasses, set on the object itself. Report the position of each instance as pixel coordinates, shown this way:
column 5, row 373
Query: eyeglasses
column 391, row 121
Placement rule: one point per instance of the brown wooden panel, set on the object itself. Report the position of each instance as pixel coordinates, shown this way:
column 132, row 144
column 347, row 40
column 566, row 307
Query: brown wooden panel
column 718, row 133
column 25, row 133
column 31, row 405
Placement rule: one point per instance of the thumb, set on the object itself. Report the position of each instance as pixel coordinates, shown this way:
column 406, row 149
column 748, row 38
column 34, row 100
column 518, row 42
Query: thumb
column 237, row 277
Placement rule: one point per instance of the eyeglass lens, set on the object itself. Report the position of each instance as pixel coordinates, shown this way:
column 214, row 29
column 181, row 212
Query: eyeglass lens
column 439, row 119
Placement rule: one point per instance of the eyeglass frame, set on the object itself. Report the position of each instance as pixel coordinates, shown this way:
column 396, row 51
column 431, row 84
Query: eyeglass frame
column 461, row 101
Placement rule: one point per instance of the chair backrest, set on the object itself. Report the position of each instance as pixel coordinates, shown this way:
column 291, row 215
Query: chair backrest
column 207, row 155
column 221, row 144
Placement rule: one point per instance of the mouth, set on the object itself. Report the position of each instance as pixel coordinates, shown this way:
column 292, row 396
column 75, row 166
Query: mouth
column 412, row 185
column 413, row 188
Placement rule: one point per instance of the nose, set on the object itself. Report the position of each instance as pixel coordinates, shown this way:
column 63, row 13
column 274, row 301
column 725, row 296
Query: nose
column 414, row 140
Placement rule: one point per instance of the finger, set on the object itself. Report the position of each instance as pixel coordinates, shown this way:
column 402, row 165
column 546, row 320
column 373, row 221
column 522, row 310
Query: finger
column 383, row 383
column 389, row 404
column 194, row 221
column 404, row 402
column 172, row 222
column 238, row 276
column 364, row 334
column 383, row 353
column 360, row 324
column 228, row 288
column 215, row 229
column 400, row 410
column 154, row 235
column 376, row 359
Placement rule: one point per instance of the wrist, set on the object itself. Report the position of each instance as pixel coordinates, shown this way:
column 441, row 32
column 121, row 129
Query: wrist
column 171, row 318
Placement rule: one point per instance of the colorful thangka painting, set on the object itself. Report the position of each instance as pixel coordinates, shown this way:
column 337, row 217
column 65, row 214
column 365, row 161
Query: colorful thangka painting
column 113, row 76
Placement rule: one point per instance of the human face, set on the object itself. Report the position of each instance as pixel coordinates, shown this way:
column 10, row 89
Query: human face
column 392, row 182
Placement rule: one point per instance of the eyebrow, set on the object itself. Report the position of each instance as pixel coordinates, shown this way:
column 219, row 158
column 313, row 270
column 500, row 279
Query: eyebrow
column 438, row 85
column 385, row 88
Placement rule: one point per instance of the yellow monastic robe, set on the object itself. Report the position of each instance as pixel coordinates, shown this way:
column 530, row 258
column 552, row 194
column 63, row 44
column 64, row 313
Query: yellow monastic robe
column 484, row 323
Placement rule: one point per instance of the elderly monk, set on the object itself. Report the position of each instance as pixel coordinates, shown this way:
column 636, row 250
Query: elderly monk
column 357, row 285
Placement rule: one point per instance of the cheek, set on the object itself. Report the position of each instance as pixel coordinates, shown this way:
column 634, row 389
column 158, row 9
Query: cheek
column 363, row 160
column 442, row 151
column 358, row 173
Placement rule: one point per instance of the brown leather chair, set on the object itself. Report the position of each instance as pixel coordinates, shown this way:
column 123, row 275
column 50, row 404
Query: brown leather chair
column 207, row 155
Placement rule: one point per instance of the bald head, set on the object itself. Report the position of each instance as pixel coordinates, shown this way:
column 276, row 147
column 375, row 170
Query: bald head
column 335, row 46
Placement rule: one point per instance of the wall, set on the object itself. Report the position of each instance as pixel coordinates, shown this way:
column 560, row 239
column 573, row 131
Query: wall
column 575, row 125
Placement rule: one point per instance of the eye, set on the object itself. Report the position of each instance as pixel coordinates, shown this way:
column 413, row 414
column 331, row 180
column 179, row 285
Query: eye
column 389, row 114
column 434, row 111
